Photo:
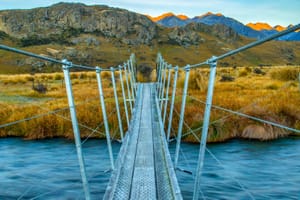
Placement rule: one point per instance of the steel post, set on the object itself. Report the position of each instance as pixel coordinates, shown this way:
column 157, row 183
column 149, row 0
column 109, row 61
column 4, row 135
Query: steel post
column 133, row 66
column 167, row 95
column 128, row 87
column 159, row 76
column 117, row 102
column 158, row 58
column 160, row 96
column 163, row 88
column 181, row 119
column 212, row 76
column 98, row 75
column 76, row 130
column 124, row 96
column 172, row 103
column 131, row 82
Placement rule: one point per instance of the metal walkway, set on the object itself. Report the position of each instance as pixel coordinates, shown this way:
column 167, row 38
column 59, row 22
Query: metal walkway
column 144, row 169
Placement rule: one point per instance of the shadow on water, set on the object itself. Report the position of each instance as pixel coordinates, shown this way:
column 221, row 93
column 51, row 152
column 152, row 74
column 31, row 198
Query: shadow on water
column 48, row 169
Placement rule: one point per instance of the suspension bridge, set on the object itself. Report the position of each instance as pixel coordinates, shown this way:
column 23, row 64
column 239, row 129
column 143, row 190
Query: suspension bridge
column 144, row 168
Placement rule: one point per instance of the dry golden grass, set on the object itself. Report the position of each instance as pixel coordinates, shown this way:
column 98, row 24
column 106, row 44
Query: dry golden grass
column 18, row 101
column 259, row 95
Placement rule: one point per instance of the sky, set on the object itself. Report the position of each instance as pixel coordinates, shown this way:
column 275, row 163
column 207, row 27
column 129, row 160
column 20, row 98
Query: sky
column 273, row 12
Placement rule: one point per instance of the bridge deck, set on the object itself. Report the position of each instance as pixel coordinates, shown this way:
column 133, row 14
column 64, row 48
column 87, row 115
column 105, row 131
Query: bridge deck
column 144, row 169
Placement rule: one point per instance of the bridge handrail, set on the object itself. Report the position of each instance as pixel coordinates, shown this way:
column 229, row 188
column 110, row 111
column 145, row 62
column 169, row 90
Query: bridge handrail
column 212, row 62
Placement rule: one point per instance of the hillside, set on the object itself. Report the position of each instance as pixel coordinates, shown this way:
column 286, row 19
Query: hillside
column 104, row 36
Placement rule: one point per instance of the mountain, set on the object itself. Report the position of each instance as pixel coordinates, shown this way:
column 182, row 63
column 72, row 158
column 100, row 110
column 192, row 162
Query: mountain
column 259, row 26
column 104, row 36
column 65, row 19
column 251, row 30
column 170, row 20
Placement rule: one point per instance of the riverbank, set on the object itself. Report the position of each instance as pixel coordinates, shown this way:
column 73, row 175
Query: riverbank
column 269, row 93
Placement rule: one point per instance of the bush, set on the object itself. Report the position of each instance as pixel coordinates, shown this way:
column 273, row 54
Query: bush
column 272, row 87
column 226, row 78
column 74, row 76
column 259, row 71
column 243, row 73
column 287, row 74
column 58, row 77
column 83, row 76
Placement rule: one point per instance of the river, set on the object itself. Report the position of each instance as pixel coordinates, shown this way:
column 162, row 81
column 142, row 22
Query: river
column 238, row 169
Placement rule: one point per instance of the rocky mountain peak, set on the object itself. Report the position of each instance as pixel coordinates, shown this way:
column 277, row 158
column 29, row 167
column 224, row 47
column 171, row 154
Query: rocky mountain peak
column 131, row 28
column 259, row 26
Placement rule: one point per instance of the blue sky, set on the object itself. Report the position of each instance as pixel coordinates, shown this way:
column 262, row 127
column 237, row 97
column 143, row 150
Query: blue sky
column 274, row 12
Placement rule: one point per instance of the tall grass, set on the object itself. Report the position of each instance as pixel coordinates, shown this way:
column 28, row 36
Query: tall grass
column 258, row 95
column 20, row 102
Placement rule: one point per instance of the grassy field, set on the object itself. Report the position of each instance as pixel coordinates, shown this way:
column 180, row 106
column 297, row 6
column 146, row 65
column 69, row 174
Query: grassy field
column 18, row 101
column 270, row 93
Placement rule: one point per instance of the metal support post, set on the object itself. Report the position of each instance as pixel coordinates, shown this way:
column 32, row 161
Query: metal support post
column 162, row 82
column 167, row 95
column 181, row 119
column 163, row 88
column 98, row 74
column 132, row 75
column 212, row 76
column 117, row 102
column 133, row 69
column 124, row 96
column 172, row 103
column 159, row 76
column 158, row 59
column 76, row 130
column 128, row 87
column 131, row 83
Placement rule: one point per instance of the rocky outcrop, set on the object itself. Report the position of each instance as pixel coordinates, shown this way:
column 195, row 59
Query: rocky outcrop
column 184, row 36
column 218, row 30
column 189, row 34
column 131, row 28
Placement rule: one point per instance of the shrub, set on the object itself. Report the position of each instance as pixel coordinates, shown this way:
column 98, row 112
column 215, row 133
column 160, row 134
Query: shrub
column 286, row 74
column 74, row 76
column 29, row 78
column 272, row 87
column 243, row 73
column 258, row 71
column 58, row 77
column 226, row 78
column 82, row 76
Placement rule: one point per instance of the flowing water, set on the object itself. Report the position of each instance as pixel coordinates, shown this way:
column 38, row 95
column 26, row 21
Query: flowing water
column 238, row 169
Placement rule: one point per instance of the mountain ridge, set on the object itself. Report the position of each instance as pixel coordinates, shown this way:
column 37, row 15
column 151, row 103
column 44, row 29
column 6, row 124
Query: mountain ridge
column 256, row 30
column 102, row 36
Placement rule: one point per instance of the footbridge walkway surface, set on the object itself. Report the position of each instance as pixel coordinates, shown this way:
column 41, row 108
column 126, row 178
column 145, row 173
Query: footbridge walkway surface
column 144, row 169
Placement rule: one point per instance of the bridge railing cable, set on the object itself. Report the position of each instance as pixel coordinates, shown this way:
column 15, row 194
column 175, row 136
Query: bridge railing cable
column 212, row 62
column 130, row 73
